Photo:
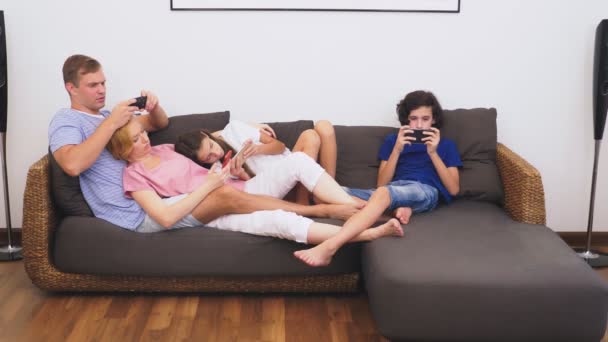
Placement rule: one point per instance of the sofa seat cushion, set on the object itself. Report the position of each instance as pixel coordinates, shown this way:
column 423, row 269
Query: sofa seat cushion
column 468, row 271
column 94, row 246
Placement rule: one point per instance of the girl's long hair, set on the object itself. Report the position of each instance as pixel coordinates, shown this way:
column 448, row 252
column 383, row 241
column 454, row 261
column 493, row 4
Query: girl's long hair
column 189, row 143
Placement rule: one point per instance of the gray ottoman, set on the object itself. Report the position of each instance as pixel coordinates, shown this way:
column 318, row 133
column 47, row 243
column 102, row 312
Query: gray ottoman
column 467, row 272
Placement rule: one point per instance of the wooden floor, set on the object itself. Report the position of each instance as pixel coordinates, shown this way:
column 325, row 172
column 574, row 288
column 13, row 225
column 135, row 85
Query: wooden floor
column 28, row 314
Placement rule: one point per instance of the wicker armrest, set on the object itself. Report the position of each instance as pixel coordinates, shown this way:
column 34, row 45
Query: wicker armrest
column 523, row 187
column 39, row 221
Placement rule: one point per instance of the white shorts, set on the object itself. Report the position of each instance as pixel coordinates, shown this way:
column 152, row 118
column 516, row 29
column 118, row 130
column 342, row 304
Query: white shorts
column 276, row 181
column 148, row 225
column 276, row 223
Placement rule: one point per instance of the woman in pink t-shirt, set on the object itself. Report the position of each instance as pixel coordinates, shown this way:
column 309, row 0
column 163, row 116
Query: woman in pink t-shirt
column 169, row 186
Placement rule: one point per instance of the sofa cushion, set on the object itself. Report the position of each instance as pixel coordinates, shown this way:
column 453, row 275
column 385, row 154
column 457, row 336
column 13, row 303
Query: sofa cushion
column 474, row 132
column 185, row 123
column 65, row 189
column 93, row 246
column 358, row 147
column 289, row 132
column 482, row 277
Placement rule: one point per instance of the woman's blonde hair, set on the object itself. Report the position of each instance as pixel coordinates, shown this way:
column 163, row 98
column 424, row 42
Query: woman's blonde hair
column 121, row 144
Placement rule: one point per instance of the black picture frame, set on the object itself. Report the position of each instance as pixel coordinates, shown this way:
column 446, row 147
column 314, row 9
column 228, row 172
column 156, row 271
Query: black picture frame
column 416, row 6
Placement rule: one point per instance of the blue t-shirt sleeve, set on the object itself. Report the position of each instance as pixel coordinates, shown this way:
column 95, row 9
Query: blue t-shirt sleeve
column 452, row 157
column 64, row 130
column 387, row 147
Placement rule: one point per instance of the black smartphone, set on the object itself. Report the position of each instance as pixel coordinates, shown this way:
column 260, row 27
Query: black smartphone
column 419, row 135
column 140, row 102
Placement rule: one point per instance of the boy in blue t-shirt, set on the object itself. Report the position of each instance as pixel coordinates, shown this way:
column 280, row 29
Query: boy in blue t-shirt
column 412, row 177
column 417, row 175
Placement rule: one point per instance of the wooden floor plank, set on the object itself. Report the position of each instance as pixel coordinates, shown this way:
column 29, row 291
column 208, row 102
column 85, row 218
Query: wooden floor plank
column 29, row 314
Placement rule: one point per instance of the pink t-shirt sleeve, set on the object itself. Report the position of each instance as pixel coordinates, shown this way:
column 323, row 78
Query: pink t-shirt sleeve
column 134, row 181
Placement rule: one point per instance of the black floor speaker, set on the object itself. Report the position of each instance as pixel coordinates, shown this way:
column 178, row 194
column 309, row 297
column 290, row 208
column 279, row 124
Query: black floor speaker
column 3, row 78
column 600, row 79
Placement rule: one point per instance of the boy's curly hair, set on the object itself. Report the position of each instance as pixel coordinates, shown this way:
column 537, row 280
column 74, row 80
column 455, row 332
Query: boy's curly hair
column 415, row 100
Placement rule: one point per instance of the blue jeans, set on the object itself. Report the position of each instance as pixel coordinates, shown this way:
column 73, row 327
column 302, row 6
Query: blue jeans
column 404, row 193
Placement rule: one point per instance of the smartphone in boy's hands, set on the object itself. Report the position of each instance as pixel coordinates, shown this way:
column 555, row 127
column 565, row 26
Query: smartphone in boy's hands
column 419, row 135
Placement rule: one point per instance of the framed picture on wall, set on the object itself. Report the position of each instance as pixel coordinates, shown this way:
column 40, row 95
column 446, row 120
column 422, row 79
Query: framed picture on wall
column 441, row 6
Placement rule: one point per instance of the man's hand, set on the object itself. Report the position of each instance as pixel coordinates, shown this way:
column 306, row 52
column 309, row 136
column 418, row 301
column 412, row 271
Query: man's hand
column 402, row 139
column 122, row 113
column 432, row 140
column 151, row 102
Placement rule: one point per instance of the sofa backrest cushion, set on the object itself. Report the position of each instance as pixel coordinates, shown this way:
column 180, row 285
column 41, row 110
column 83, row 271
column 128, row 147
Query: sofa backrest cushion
column 358, row 146
column 473, row 131
column 289, row 132
column 185, row 123
column 65, row 189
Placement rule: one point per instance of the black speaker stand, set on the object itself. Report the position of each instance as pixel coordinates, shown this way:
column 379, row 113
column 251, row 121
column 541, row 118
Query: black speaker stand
column 10, row 252
column 594, row 259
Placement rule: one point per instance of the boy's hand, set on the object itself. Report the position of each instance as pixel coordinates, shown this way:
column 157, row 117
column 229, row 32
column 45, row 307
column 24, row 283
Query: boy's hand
column 402, row 139
column 432, row 140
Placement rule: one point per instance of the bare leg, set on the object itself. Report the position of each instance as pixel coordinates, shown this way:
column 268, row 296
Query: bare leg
column 308, row 142
column 328, row 191
column 321, row 254
column 227, row 200
column 319, row 232
column 403, row 214
column 328, row 152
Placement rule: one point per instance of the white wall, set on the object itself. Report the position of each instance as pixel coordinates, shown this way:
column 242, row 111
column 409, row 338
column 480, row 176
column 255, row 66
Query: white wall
column 532, row 60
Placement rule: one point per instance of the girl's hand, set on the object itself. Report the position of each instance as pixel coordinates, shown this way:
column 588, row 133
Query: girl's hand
column 249, row 149
column 265, row 129
column 402, row 139
column 236, row 165
column 432, row 140
column 217, row 176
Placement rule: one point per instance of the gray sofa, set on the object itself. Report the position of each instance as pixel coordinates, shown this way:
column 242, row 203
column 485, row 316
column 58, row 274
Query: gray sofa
column 484, row 268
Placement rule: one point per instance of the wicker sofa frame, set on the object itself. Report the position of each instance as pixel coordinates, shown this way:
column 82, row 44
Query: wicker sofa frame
column 524, row 202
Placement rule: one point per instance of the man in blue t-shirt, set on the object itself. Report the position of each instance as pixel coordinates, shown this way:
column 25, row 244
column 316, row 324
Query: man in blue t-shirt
column 78, row 136
column 417, row 175
column 412, row 176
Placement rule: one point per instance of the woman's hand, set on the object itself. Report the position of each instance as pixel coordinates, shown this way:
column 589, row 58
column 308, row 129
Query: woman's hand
column 432, row 140
column 217, row 176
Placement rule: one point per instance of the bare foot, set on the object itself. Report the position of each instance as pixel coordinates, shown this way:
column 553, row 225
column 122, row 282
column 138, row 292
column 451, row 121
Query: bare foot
column 316, row 256
column 390, row 228
column 342, row 211
column 403, row 214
